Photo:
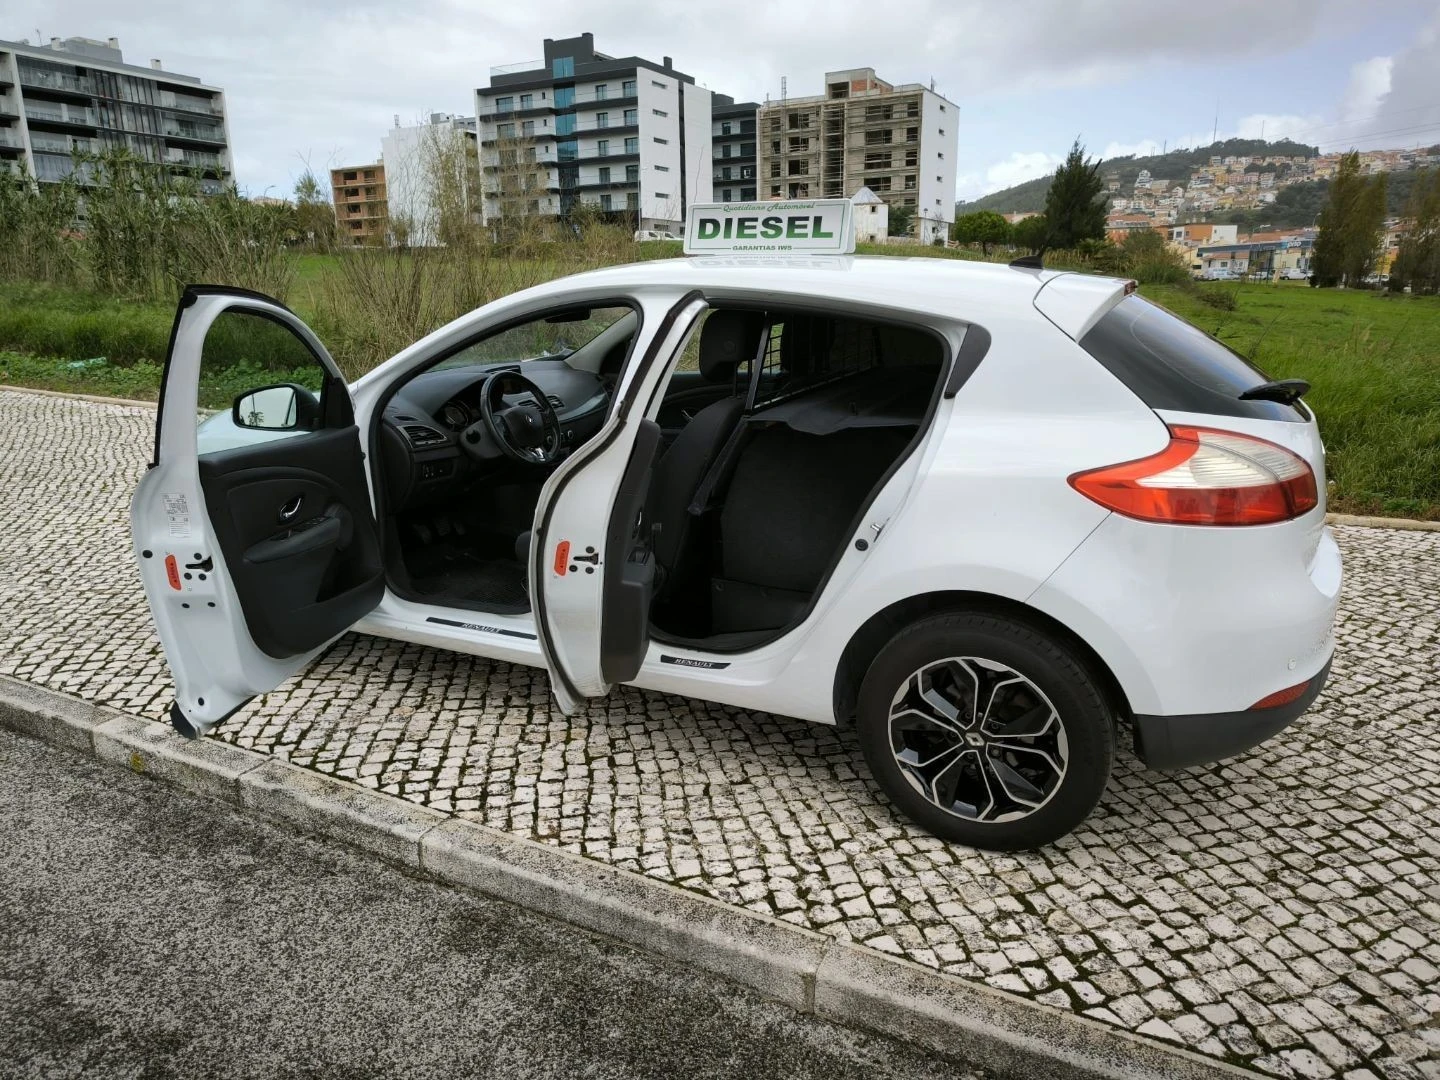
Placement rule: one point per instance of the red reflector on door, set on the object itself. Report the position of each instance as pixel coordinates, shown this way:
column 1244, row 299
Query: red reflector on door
column 172, row 571
column 562, row 557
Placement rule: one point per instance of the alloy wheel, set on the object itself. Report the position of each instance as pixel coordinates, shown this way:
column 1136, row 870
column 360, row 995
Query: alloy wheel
column 978, row 739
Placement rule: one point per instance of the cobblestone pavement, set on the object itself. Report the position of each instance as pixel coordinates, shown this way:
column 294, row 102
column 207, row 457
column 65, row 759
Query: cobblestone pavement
column 1281, row 910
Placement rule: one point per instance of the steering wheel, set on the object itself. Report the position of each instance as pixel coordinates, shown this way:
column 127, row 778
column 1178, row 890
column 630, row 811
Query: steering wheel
column 528, row 431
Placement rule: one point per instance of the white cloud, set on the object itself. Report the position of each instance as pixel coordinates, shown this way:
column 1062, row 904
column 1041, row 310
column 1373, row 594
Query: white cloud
column 1015, row 169
column 1369, row 86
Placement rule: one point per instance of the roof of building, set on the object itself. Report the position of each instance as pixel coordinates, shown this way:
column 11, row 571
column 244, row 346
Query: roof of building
column 865, row 197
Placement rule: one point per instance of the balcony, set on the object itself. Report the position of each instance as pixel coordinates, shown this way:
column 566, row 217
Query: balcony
column 194, row 132
column 44, row 142
column 194, row 159
column 54, row 80
column 66, row 114
column 185, row 103
column 515, row 69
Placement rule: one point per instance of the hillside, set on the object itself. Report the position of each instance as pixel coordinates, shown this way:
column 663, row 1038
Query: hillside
column 1176, row 165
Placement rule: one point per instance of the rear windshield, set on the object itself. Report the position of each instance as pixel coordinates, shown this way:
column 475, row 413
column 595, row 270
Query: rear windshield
column 1170, row 364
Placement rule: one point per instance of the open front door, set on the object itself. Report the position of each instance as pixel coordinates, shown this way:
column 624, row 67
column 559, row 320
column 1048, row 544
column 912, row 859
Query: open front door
column 253, row 527
column 592, row 573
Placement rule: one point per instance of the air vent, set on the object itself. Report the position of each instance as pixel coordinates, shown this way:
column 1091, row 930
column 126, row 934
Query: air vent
column 412, row 419
column 421, row 436
column 555, row 402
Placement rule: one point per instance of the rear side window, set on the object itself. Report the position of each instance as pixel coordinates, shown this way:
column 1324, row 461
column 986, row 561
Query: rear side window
column 1170, row 364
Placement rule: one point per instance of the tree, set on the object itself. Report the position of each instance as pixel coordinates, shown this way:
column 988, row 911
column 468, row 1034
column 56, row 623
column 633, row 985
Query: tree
column 1075, row 203
column 1351, row 226
column 314, row 216
column 1417, row 264
column 984, row 227
column 900, row 218
column 1030, row 233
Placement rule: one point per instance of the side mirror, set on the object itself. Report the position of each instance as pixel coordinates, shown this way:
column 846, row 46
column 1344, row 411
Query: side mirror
column 282, row 407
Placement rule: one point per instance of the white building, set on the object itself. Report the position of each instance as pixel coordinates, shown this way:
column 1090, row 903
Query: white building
column 871, row 216
column 411, row 156
column 626, row 135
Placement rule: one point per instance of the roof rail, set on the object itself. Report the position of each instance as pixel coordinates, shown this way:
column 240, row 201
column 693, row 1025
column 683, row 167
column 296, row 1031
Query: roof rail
column 1029, row 262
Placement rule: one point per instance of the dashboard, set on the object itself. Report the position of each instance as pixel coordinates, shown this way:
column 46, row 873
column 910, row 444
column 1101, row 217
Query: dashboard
column 422, row 424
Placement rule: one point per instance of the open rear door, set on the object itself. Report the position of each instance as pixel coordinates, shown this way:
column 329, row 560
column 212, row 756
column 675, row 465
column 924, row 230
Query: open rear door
column 253, row 527
column 591, row 568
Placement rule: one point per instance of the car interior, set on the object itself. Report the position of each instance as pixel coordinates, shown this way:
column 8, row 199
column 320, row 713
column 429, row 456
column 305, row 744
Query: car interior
column 777, row 427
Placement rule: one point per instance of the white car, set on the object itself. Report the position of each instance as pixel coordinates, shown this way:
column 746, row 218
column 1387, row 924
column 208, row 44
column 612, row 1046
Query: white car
column 992, row 515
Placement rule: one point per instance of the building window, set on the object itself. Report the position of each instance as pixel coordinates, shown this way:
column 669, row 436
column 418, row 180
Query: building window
column 632, row 174
column 505, row 131
column 565, row 124
column 602, row 147
column 747, row 172
column 909, row 183
column 725, row 173
column 627, row 88
column 602, row 91
column 774, row 168
column 659, row 112
column 662, row 168
column 727, row 195
column 564, row 97
column 348, row 176
column 528, row 129
column 605, row 203
column 632, row 145
column 504, row 104
column 942, row 131
column 799, row 168
column 774, row 146
column 775, row 190
column 602, row 119
column 661, row 85
column 562, row 67
column 662, row 142
column 725, row 127
column 527, row 101
column 632, row 116
column 604, row 174
column 662, row 194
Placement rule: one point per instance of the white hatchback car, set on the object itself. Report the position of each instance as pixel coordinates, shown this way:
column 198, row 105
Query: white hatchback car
column 983, row 512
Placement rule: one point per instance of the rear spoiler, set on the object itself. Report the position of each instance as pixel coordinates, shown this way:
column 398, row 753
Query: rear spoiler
column 1076, row 302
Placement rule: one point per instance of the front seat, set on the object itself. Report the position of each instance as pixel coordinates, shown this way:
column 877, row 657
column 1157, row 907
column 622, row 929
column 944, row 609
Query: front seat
column 727, row 339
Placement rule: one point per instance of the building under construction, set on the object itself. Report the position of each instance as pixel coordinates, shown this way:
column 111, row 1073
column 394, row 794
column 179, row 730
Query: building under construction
column 899, row 141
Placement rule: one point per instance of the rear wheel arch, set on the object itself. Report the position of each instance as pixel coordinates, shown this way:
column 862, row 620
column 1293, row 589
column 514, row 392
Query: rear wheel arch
column 878, row 630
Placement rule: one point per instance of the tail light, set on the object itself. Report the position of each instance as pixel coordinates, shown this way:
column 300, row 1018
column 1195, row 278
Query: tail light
column 1206, row 477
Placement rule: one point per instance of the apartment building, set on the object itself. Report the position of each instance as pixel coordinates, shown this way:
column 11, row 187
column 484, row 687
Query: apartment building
column 434, row 160
column 732, row 149
column 626, row 135
column 79, row 95
column 899, row 141
column 361, row 211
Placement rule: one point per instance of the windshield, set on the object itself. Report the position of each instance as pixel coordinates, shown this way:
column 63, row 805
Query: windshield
column 556, row 335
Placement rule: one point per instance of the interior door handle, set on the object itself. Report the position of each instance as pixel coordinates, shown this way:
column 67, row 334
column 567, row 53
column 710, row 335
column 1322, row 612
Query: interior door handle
column 291, row 508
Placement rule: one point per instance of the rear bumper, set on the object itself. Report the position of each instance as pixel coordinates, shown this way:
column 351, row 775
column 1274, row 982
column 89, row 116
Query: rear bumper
column 1179, row 742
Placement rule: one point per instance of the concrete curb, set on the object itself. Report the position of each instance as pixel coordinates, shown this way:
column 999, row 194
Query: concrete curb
column 1371, row 522
column 813, row 973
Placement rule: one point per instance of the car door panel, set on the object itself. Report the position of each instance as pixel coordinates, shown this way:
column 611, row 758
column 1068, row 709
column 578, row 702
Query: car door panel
column 254, row 552
column 591, row 570
column 292, row 520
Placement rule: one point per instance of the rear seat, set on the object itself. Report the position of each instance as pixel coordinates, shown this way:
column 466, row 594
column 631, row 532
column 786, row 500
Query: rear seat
column 788, row 510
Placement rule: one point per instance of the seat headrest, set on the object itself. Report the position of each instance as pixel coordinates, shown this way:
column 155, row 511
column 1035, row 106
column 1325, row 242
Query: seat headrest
column 726, row 340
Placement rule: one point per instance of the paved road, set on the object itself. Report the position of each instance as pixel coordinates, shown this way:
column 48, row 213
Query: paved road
column 1280, row 910
column 146, row 932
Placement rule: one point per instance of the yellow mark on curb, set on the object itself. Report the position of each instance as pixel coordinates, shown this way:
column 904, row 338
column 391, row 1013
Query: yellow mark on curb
column 137, row 762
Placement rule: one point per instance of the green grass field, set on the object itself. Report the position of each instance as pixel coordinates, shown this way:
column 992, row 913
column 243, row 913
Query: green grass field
column 1373, row 361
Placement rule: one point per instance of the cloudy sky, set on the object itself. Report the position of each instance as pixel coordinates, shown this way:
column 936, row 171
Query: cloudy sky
column 316, row 82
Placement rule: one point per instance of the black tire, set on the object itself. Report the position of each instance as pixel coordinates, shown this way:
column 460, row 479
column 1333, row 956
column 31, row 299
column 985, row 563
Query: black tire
column 944, row 657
